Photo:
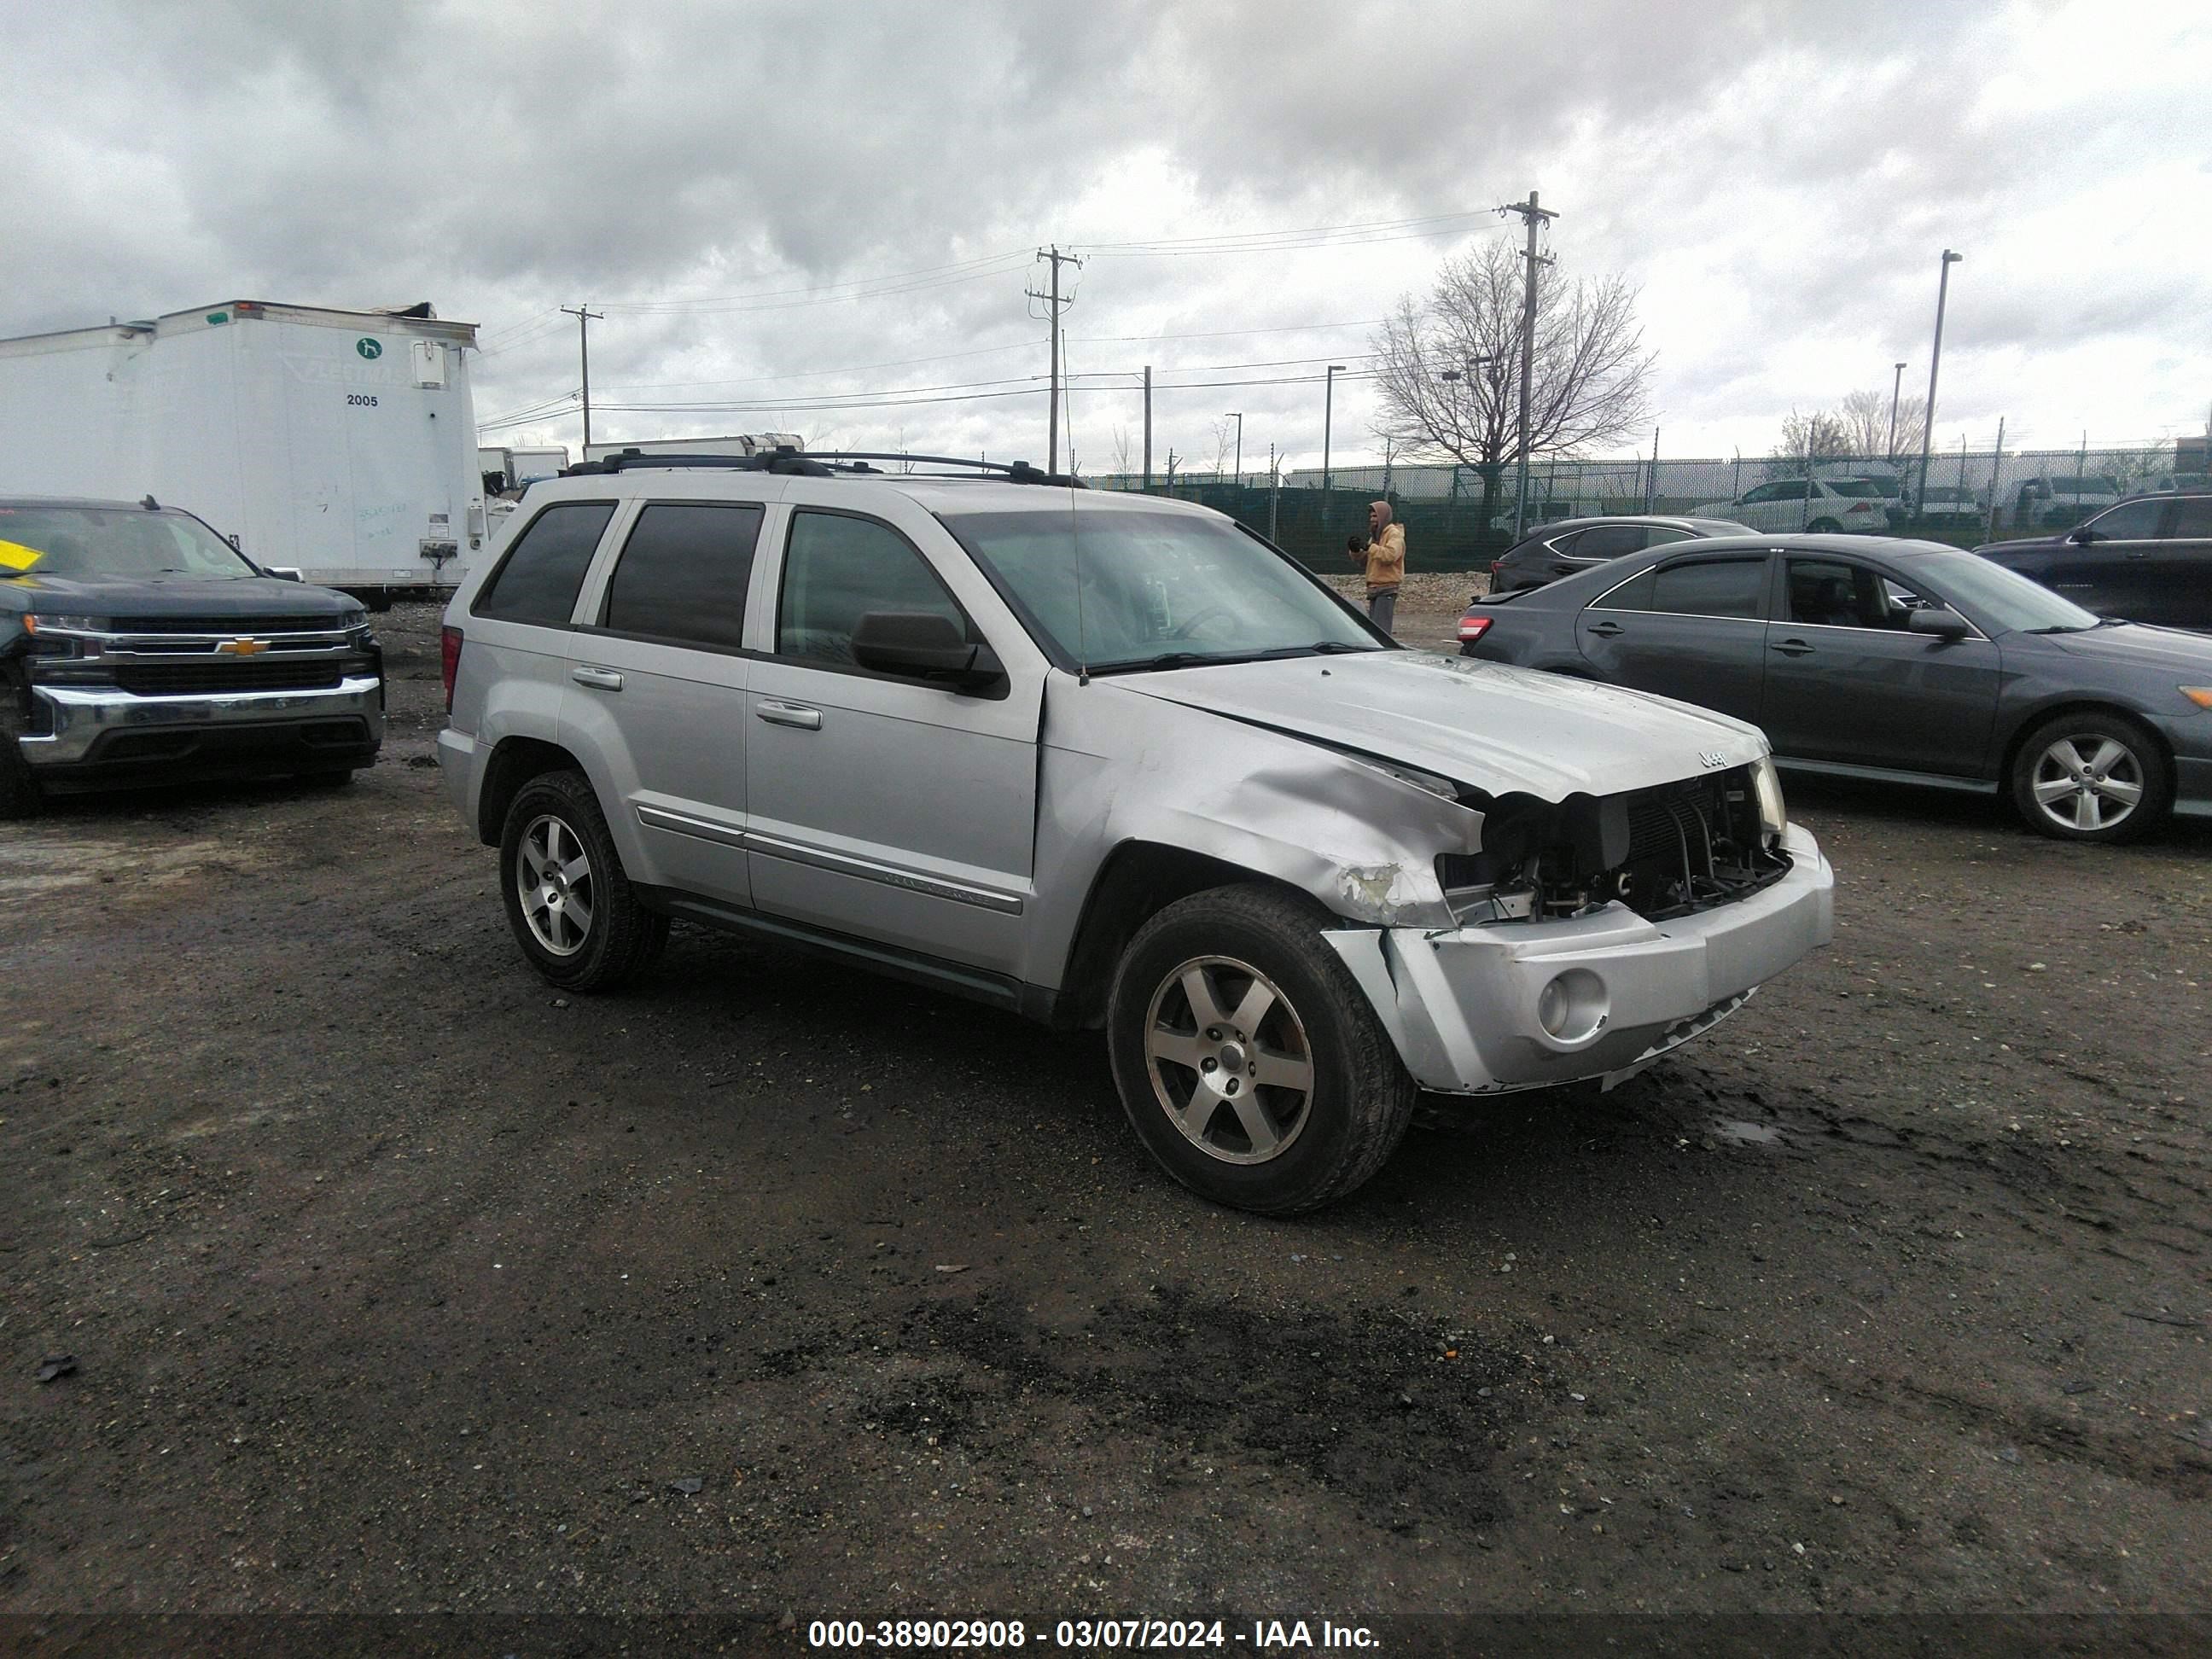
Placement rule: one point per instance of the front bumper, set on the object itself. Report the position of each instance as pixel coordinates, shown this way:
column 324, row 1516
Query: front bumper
column 95, row 733
column 1462, row 1005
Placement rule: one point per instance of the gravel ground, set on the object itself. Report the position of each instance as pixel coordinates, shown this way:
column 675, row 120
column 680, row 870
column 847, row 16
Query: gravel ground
column 395, row 1281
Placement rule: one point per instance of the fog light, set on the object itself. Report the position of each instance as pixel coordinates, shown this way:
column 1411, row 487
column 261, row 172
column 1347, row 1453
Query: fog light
column 1572, row 1006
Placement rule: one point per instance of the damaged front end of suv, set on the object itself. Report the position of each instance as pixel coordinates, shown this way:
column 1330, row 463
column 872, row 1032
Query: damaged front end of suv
column 1515, row 922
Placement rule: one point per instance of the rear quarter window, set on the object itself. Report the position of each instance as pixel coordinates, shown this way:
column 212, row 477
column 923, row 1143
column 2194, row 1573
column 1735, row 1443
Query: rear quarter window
column 538, row 580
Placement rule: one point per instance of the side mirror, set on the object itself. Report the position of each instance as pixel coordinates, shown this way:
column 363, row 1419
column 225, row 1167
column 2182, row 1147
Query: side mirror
column 926, row 645
column 282, row 572
column 1942, row 621
column 2084, row 535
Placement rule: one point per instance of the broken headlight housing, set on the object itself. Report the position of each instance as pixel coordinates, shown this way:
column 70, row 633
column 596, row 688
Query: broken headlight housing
column 1773, row 816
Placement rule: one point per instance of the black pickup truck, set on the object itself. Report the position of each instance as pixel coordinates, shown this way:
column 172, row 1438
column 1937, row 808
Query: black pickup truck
column 137, row 646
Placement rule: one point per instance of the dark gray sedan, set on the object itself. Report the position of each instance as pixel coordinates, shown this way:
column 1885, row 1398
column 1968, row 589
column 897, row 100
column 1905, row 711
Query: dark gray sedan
column 1874, row 658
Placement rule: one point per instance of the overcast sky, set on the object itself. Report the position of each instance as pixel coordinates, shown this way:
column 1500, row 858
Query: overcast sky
column 778, row 204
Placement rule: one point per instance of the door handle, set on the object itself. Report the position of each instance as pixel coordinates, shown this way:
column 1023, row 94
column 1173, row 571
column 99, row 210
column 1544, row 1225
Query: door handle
column 601, row 679
column 1605, row 630
column 1793, row 648
column 2139, row 552
column 789, row 714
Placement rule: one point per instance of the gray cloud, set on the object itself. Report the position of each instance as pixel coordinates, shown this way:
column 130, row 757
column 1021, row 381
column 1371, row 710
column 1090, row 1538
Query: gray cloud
column 1780, row 178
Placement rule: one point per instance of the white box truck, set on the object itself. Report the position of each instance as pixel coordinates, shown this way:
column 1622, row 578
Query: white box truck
column 523, row 466
column 338, row 443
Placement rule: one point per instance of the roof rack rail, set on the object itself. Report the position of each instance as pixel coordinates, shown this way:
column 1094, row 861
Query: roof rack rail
column 818, row 464
column 784, row 459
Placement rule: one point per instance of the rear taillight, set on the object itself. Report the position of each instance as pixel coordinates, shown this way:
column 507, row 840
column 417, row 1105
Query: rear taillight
column 449, row 660
column 1472, row 629
column 1497, row 565
column 1860, row 506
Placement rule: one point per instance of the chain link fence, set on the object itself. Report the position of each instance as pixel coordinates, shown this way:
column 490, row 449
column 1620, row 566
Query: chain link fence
column 1460, row 518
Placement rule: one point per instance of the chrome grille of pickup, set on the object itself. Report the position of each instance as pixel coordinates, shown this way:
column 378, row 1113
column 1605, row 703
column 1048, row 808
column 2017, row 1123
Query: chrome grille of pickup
column 227, row 674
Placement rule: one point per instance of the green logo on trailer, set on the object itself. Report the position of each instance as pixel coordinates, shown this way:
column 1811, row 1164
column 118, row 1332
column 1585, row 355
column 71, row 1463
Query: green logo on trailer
column 367, row 348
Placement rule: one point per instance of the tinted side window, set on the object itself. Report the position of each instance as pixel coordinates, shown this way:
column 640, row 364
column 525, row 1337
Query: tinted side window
column 2194, row 517
column 538, row 580
column 2130, row 521
column 835, row 571
column 1829, row 594
column 1711, row 588
column 1610, row 541
column 1634, row 594
column 684, row 572
column 1659, row 535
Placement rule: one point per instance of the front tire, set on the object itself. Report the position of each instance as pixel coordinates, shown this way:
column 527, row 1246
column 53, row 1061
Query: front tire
column 568, row 903
column 19, row 788
column 2091, row 777
column 1247, row 1056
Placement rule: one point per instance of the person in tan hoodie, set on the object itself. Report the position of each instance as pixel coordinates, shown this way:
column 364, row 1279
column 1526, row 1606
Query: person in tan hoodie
column 1382, row 551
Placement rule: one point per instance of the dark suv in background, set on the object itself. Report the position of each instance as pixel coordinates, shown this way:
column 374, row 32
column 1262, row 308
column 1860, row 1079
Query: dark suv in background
column 1577, row 545
column 2149, row 559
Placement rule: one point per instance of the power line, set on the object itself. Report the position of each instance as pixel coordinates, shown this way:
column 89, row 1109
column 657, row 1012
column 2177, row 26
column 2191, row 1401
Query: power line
column 1016, row 255
column 1245, row 241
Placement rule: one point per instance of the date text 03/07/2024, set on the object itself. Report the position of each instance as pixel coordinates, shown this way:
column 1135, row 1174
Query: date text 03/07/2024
column 1086, row 1635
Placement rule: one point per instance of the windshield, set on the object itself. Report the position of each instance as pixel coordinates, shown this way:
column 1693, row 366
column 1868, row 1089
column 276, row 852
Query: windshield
column 1159, row 589
column 2002, row 599
column 114, row 541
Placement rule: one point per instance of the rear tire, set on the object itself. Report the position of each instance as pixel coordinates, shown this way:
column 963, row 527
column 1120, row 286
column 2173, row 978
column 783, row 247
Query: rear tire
column 1822, row 527
column 1247, row 1056
column 19, row 788
column 2091, row 777
column 568, row 903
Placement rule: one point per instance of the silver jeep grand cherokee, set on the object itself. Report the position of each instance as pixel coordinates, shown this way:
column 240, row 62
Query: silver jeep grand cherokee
column 1111, row 761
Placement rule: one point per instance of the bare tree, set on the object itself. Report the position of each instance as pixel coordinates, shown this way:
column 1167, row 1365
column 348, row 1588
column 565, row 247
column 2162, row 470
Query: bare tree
column 1865, row 418
column 1589, row 373
column 1122, row 450
column 1808, row 440
column 1223, row 432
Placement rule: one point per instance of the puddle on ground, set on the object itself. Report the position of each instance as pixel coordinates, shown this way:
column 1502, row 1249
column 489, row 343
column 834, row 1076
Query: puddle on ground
column 1739, row 1133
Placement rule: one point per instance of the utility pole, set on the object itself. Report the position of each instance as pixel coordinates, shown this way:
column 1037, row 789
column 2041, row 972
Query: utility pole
column 1053, row 300
column 1148, row 425
column 1652, row 485
column 1896, row 385
column 1274, row 489
column 584, row 319
column 1535, row 218
column 1237, row 415
column 1328, row 422
column 1935, row 362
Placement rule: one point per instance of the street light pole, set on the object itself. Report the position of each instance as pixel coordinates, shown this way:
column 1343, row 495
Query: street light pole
column 1327, row 428
column 1896, row 385
column 1237, row 415
column 1935, row 362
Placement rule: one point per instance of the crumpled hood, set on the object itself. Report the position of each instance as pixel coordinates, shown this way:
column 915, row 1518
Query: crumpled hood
column 245, row 599
column 1498, row 728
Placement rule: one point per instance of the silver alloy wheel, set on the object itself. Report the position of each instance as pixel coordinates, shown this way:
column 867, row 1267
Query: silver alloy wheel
column 1228, row 1059
column 2087, row 792
column 553, row 874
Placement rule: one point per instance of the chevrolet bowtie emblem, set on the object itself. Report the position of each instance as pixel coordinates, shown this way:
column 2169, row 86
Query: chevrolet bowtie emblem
column 243, row 645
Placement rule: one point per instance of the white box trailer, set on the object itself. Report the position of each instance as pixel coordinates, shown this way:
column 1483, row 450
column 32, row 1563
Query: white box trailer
column 525, row 465
column 339, row 443
column 741, row 443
